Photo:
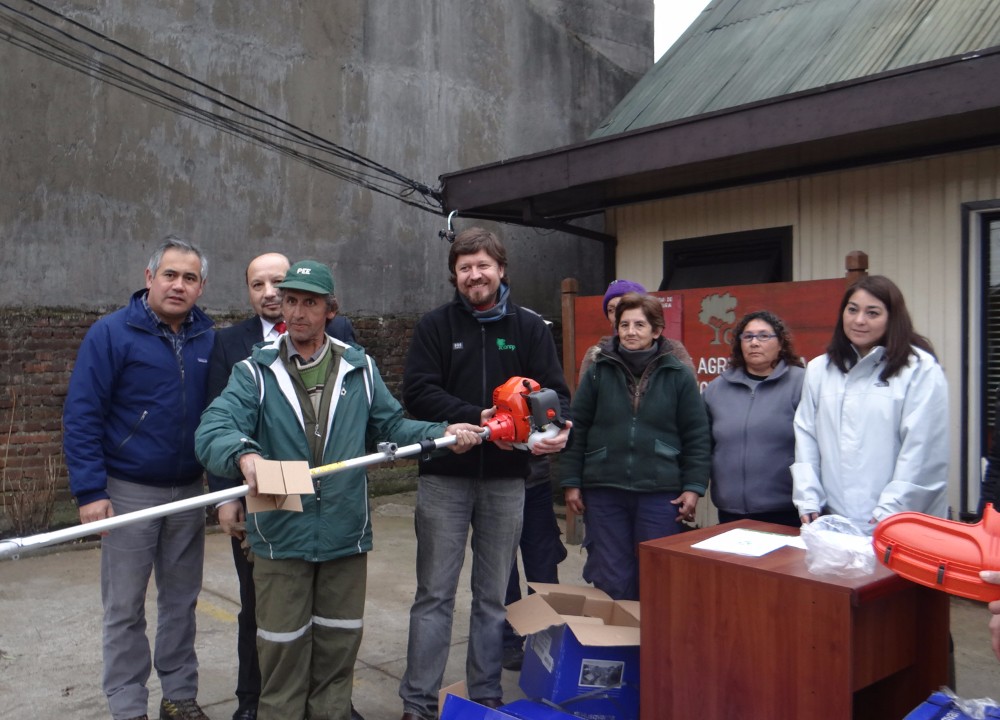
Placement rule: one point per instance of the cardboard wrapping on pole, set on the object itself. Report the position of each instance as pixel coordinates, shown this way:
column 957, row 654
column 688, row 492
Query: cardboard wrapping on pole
column 279, row 484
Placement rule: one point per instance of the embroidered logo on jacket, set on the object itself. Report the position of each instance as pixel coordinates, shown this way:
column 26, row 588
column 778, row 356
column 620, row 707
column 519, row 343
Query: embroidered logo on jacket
column 502, row 345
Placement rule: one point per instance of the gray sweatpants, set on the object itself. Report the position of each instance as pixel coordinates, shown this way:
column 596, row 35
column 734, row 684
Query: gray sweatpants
column 173, row 548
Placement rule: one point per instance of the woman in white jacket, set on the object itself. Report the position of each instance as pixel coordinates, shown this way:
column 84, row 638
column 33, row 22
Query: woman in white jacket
column 871, row 429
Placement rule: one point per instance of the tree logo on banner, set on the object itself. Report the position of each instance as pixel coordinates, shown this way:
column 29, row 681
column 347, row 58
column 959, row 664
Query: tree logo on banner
column 718, row 313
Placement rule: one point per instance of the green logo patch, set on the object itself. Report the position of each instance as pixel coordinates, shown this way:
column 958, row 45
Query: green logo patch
column 502, row 345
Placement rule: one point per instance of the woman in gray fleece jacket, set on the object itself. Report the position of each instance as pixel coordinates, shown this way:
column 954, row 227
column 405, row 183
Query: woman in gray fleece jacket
column 751, row 407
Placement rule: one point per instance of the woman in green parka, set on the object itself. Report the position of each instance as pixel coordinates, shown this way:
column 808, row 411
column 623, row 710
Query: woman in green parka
column 640, row 449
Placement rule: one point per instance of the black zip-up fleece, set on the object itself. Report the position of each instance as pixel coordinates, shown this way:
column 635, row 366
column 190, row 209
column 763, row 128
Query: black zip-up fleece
column 454, row 364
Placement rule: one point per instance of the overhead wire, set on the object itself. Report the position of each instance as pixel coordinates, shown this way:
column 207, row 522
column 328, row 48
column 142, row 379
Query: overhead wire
column 159, row 84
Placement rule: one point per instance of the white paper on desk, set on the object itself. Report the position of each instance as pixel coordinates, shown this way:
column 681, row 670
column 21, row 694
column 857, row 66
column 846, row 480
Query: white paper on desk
column 740, row 541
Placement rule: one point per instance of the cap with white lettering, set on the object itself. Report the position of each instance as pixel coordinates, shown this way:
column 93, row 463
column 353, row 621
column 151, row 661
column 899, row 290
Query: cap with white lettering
column 309, row 276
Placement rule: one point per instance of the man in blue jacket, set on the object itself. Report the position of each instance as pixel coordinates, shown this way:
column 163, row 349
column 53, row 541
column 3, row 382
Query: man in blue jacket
column 460, row 353
column 134, row 401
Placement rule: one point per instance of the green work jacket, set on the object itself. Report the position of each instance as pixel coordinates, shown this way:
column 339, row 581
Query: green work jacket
column 260, row 412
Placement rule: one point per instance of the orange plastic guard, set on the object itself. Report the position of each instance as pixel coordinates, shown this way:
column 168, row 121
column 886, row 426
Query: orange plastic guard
column 942, row 554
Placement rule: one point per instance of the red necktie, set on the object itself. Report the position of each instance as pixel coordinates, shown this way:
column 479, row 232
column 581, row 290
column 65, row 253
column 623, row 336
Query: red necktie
column 279, row 327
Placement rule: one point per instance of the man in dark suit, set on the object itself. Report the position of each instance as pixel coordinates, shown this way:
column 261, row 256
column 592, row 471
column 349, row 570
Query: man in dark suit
column 232, row 345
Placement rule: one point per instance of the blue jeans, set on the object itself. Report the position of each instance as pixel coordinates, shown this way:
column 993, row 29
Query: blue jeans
column 617, row 521
column 173, row 548
column 446, row 508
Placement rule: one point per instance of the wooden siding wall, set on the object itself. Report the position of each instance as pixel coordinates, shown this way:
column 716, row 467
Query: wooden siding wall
column 906, row 216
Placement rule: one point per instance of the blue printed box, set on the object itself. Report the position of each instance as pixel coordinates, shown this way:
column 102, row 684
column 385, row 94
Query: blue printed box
column 582, row 651
column 459, row 708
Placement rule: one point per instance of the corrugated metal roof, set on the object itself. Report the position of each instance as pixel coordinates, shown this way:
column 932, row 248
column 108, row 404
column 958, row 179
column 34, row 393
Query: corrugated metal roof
column 743, row 51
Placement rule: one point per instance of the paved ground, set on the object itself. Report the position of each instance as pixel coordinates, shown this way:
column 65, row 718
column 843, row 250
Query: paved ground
column 50, row 660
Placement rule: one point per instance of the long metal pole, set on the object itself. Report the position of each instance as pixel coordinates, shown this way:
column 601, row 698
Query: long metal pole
column 12, row 547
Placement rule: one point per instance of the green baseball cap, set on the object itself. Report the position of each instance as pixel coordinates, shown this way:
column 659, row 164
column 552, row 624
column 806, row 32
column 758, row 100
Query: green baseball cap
column 309, row 276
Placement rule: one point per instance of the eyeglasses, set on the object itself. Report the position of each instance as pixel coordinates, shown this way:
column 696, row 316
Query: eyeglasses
column 759, row 337
column 481, row 267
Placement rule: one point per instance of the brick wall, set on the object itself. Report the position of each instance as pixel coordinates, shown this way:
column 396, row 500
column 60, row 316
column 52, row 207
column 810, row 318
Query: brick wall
column 387, row 339
column 37, row 350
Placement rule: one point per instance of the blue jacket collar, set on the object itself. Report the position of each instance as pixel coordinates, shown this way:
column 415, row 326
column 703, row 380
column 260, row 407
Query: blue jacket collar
column 137, row 317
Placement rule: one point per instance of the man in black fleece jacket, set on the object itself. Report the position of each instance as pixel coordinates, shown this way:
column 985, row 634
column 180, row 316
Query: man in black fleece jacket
column 460, row 352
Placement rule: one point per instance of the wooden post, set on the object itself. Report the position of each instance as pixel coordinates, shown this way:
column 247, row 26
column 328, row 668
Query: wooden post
column 570, row 289
column 856, row 264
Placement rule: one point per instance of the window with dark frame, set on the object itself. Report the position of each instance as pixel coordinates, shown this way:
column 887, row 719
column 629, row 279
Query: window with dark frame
column 990, row 234
column 742, row 258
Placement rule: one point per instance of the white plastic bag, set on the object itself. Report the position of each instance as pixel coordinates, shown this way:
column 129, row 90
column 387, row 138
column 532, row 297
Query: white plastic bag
column 946, row 704
column 835, row 545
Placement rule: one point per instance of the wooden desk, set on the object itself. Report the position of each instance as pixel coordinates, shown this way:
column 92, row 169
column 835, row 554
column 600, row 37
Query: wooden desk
column 727, row 636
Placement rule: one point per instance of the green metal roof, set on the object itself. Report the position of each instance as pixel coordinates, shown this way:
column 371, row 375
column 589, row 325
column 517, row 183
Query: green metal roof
column 739, row 52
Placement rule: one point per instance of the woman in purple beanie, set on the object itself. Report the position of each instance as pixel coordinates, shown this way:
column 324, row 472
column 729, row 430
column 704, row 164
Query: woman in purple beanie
column 615, row 290
column 612, row 295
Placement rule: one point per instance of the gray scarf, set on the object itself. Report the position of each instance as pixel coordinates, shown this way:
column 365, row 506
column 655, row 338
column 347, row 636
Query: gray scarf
column 494, row 313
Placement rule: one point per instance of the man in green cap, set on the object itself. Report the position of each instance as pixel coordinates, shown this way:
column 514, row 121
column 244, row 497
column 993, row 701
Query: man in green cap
column 307, row 396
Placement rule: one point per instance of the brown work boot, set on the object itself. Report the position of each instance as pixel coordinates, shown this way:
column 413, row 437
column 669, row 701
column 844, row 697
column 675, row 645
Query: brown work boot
column 181, row 710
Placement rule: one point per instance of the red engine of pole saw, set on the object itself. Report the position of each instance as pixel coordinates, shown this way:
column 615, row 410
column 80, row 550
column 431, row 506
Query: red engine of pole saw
column 526, row 413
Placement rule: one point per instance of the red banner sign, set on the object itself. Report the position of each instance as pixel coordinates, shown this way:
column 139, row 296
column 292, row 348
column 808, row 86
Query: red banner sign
column 704, row 318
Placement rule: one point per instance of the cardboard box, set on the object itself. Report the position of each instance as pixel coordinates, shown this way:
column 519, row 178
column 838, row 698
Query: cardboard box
column 279, row 484
column 528, row 710
column 582, row 650
column 456, row 707
column 458, row 689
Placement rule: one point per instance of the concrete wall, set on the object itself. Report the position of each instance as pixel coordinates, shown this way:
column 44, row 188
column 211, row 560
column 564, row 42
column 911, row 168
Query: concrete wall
column 94, row 177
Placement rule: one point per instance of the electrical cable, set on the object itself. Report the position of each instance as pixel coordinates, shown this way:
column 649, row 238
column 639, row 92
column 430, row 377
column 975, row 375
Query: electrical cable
column 161, row 85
